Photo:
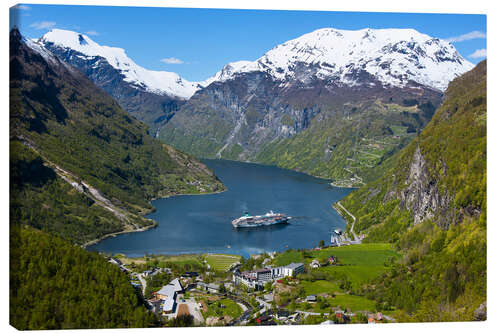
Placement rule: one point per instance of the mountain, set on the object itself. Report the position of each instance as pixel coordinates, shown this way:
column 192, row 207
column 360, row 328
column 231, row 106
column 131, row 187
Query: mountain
column 333, row 103
column 432, row 205
column 394, row 57
column 81, row 167
column 150, row 96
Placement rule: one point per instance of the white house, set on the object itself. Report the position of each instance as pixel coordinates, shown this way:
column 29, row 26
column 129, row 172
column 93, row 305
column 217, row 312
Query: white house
column 315, row 264
column 292, row 269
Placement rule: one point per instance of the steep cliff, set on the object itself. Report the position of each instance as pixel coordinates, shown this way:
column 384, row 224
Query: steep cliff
column 432, row 205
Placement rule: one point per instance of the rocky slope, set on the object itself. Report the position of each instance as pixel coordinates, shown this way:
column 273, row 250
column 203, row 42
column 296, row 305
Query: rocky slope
column 81, row 167
column 345, row 79
column 432, row 205
column 150, row 96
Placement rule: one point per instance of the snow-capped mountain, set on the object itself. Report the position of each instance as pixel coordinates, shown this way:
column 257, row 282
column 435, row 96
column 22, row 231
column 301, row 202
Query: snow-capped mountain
column 394, row 57
column 157, row 82
column 328, row 84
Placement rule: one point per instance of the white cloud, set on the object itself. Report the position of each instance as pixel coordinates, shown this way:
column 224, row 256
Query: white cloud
column 92, row 33
column 43, row 25
column 172, row 60
column 481, row 53
column 467, row 36
column 22, row 7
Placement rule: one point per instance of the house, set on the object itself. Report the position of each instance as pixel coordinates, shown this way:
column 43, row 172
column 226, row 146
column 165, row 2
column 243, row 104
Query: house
column 212, row 288
column 314, row 264
column 248, row 279
column 115, row 261
column 263, row 319
column 311, row 298
column 168, row 294
column 169, row 306
column 341, row 317
column 190, row 274
column 282, row 314
column 293, row 269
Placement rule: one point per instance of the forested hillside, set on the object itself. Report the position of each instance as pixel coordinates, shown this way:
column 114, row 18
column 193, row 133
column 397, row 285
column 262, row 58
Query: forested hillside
column 55, row 285
column 80, row 168
column 432, row 205
column 59, row 120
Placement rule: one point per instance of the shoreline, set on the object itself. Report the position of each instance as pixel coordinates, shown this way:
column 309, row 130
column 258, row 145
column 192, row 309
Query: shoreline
column 143, row 214
column 113, row 234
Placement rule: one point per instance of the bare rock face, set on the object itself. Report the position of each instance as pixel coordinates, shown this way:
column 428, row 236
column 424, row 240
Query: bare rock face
column 421, row 194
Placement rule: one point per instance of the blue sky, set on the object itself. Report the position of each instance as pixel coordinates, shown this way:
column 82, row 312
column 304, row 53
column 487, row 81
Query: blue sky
column 196, row 43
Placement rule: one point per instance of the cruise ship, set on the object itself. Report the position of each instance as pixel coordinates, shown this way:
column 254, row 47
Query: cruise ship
column 248, row 221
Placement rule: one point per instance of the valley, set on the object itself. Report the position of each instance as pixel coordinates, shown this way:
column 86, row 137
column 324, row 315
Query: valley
column 124, row 182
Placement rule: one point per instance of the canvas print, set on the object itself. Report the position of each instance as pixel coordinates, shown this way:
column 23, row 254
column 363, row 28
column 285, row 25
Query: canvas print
column 216, row 167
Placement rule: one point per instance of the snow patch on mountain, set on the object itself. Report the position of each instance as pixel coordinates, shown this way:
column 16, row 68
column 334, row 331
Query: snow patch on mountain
column 393, row 56
column 158, row 82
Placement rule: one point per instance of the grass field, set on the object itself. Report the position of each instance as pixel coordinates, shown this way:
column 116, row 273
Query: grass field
column 319, row 287
column 221, row 262
column 184, row 261
column 352, row 302
column 214, row 309
column 370, row 254
column 359, row 263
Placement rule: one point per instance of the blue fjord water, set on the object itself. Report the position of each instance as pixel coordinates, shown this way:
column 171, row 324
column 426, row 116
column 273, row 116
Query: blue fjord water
column 202, row 223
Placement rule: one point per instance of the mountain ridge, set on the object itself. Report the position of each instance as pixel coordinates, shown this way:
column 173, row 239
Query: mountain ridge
column 102, row 166
column 384, row 53
column 432, row 205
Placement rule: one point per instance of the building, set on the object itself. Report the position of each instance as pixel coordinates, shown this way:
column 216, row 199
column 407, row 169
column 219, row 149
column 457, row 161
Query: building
column 315, row 264
column 248, row 279
column 212, row 288
column 293, row 269
column 258, row 278
column 190, row 274
column 311, row 298
column 168, row 294
column 264, row 274
column 336, row 237
column 115, row 261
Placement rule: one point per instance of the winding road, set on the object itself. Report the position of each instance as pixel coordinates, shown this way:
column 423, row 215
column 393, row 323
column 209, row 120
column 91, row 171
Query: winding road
column 356, row 238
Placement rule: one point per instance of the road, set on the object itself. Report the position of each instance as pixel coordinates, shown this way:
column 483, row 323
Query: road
column 143, row 282
column 266, row 306
column 356, row 238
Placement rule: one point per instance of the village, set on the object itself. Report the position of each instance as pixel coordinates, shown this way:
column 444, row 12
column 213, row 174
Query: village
column 227, row 290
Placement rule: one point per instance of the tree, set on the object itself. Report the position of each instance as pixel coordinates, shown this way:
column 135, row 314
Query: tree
column 222, row 289
column 185, row 320
column 321, row 244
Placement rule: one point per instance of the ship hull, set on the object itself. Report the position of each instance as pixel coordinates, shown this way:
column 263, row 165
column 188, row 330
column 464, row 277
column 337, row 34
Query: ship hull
column 260, row 224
